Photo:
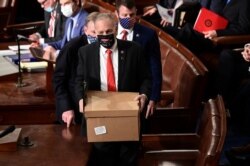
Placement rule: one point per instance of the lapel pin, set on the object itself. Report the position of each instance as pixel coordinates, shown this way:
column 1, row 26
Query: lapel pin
column 137, row 35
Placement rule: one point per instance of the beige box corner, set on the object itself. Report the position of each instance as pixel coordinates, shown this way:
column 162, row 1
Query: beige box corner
column 112, row 116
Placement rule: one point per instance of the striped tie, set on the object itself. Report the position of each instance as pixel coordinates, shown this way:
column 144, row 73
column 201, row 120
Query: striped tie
column 125, row 34
column 52, row 24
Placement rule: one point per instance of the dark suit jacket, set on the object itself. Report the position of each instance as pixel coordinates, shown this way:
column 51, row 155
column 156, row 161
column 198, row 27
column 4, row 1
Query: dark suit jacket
column 149, row 41
column 78, row 30
column 133, row 72
column 64, row 77
column 214, row 5
column 59, row 25
column 237, row 12
column 167, row 3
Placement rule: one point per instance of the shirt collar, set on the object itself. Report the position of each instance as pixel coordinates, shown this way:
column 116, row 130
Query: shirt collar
column 120, row 29
column 75, row 18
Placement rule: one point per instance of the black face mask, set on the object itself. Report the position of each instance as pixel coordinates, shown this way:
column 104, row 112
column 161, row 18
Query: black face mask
column 106, row 41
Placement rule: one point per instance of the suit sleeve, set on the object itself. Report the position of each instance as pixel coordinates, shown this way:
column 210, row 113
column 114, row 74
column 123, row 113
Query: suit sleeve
column 61, row 75
column 155, row 65
column 145, row 78
column 79, row 90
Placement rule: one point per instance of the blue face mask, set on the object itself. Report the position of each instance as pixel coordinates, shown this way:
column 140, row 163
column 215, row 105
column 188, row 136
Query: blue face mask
column 49, row 9
column 91, row 39
column 127, row 23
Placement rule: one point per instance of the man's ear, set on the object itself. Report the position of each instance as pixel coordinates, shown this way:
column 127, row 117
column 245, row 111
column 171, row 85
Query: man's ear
column 84, row 29
column 116, row 13
column 78, row 2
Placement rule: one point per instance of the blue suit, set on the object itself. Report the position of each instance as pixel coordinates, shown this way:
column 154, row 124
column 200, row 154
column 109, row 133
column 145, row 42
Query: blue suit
column 78, row 30
column 148, row 39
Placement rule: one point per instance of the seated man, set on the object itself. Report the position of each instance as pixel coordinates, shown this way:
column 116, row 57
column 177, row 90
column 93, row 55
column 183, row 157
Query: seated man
column 67, row 110
column 152, row 15
column 73, row 27
column 53, row 28
column 113, row 65
column 235, row 11
column 234, row 84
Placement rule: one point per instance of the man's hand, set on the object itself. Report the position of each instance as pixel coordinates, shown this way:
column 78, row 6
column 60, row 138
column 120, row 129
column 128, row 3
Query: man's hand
column 50, row 53
column 150, row 109
column 164, row 22
column 141, row 101
column 149, row 10
column 81, row 106
column 35, row 38
column 246, row 52
column 210, row 34
column 68, row 117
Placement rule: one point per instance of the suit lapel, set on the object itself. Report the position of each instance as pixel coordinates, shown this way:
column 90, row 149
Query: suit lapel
column 96, row 62
column 122, row 54
column 136, row 35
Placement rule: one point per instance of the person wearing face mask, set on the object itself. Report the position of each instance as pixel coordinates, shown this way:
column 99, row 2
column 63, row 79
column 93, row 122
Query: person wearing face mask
column 53, row 28
column 64, row 76
column 148, row 39
column 113, row 65
column 73, row 27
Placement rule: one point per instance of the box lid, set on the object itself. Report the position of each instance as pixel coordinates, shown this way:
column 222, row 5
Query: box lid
column 115, row 104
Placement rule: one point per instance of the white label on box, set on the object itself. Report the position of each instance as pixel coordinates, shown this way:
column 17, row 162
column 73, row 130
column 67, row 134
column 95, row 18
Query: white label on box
column 100, row 130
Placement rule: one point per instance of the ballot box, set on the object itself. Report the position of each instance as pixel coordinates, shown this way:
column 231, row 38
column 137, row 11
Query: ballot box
column 112, row 116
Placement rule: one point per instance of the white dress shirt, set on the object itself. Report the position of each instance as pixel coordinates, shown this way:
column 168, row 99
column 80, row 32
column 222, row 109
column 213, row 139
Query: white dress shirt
column 103, row 66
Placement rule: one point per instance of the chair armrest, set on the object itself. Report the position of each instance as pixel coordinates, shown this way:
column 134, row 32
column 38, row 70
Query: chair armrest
column 231, row 40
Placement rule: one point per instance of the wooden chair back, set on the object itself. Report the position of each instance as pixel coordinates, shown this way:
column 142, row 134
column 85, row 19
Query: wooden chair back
column 201, row 148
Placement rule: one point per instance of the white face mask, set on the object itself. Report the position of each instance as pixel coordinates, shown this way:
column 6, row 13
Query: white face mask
column 67, row 10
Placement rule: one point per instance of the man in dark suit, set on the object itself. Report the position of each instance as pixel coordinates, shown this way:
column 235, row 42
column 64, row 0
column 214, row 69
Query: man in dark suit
column 234, row 86
column 235, row 11
column 67, row 110
column 73, row 26
column 53, row 28
column 152, row 15
column 130, row 73
column 148, row 39
column 234, row 82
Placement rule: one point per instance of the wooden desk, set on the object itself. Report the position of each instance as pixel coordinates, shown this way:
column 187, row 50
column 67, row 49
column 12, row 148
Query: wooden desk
column 51, row 147
column 31, row 104
column 22, row 105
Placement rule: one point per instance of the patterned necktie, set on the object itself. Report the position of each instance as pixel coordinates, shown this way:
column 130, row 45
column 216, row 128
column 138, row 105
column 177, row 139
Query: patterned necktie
column 125, row 34
column 52, row 24
column 110, row 72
